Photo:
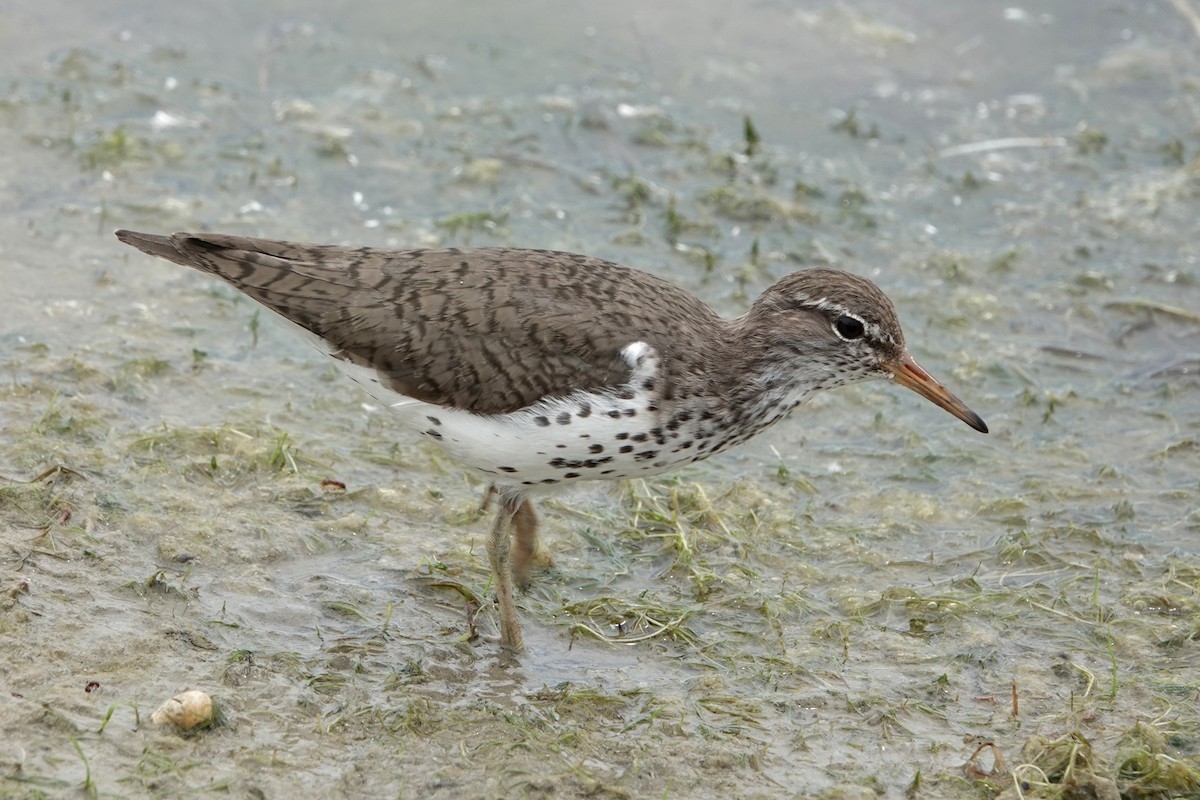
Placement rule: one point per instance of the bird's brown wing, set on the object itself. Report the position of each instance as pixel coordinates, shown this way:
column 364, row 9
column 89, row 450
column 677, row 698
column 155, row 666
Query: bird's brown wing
column 488, row 330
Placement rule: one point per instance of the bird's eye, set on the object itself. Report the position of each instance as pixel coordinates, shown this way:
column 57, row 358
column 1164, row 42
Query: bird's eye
column 849, row 327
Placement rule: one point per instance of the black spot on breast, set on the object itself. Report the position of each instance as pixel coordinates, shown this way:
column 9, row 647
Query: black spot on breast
column 685, row 445
column 608, row 472
column 585, row 411
column 639, row 437
column 564, row 418
column 648, row 384
column 615, row 413
column 596, row 448
column 549, row 480
column 627, row 448
column 631, row 412
column 570, row 474
column 434, row 420
column 625, row 394
column 507, row 469
column 433, row 433
column 646, row 455
column 561, row 446
column 621, row 436
column 541, row 421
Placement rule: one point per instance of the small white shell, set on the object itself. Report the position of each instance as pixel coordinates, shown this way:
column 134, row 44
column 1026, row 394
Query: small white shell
column 185, row 710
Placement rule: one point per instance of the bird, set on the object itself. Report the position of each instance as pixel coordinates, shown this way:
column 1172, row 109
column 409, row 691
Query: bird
column 540, row 368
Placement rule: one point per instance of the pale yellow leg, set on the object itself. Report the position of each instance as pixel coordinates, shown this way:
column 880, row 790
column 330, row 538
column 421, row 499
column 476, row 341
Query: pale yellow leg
column 499, row 546
column 528, row 552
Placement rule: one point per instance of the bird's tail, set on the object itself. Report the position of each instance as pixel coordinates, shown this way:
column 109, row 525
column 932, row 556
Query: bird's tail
column 155, row 245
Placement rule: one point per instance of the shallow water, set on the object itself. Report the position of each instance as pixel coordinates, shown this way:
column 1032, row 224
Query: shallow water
column 846, row 605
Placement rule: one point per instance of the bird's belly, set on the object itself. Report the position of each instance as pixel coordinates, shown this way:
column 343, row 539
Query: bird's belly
column 585, row 436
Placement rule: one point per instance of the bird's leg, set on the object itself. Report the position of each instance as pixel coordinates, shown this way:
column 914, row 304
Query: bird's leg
column 499, row 546
column 528, row 552
column 491, row 492
column 525, row 525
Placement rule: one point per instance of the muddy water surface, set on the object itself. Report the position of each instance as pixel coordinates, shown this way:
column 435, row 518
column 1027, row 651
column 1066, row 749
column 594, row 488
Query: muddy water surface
column 871, row 600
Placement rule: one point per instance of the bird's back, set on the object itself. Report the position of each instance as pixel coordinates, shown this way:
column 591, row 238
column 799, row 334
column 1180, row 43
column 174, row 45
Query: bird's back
column 487, row 330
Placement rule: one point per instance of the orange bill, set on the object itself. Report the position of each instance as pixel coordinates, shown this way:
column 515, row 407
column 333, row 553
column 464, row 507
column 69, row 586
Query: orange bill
column 907, row 372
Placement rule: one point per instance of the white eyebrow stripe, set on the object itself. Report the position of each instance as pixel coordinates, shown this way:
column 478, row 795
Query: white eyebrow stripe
column 873, row 329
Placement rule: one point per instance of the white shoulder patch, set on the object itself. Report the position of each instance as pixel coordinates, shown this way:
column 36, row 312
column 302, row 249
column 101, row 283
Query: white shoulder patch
column 634, row 353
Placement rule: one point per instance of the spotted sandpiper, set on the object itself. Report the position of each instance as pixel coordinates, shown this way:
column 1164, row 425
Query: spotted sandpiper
column 543, row 368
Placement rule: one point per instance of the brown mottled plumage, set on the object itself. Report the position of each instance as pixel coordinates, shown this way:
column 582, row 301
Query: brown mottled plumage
column 541, row 367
